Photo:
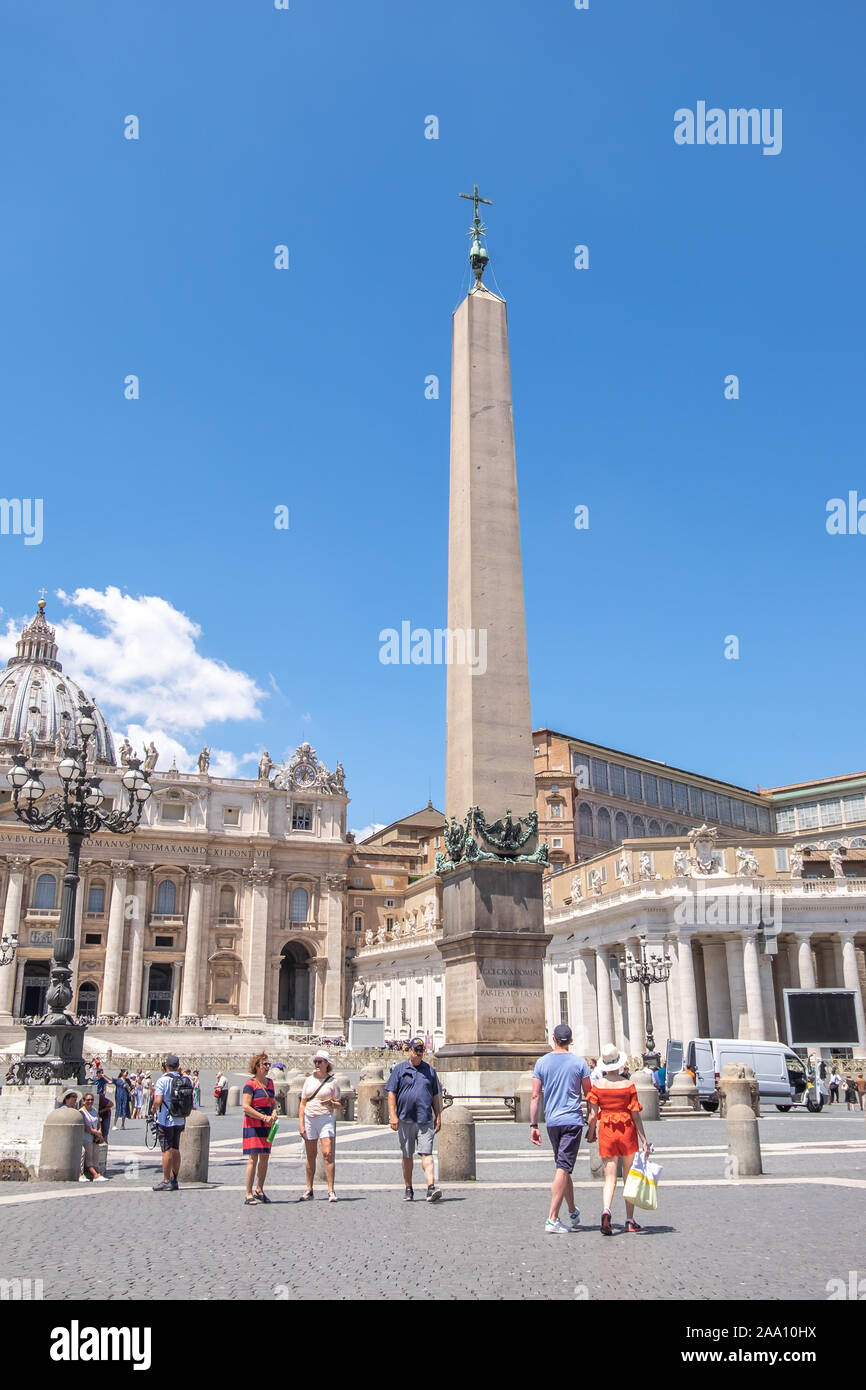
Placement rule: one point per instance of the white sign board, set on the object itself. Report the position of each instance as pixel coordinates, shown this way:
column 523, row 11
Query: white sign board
column 366, row 1032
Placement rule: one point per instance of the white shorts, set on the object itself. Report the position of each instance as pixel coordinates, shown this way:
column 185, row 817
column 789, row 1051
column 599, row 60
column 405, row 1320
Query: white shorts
column 320, row 1127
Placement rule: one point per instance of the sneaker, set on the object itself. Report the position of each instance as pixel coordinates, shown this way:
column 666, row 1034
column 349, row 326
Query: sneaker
column 85, row 1178
column 409, row 1195
column 574, row 1218
column 606, row 1228
column 170, row 1186
column 173, row 1185
column 100, row 1178
column 332, row 1196
column 434, row 1194
column 555, row 1228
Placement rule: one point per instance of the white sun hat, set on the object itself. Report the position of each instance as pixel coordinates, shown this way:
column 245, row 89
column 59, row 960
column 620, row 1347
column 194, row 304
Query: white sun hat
column 611, row 1058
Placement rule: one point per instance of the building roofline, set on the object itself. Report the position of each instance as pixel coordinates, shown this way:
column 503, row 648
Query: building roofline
column 639, row 757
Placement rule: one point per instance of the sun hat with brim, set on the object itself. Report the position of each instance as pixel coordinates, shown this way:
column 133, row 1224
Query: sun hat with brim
column 611, row 1058
column 325, row 1056
column 72, row 1092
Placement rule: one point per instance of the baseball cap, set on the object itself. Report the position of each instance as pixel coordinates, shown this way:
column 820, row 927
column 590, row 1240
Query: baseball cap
column 417, row 1042
column 562, row 1033
column 171, row 1061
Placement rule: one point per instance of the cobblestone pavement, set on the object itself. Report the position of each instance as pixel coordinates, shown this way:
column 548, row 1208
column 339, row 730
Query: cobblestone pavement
column 781, row 1236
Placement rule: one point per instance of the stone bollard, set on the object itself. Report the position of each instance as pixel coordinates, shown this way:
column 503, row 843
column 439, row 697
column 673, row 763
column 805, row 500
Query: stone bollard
column 281, row 1096
column 683, row 1094
column 523, row 1098
column 371, row 1091
column 457, row 1145
column 347, row 1097
column 741, row 1123
column 646, row 1094
column 293, row 1097
column 62, row 1146
column 195, row 1148
column 234, row 1098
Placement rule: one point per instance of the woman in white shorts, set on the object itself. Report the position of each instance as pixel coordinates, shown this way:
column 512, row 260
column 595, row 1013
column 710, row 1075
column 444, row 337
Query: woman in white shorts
column 320, row 1098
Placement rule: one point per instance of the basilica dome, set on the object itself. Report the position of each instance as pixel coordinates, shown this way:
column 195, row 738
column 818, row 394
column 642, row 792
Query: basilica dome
column 38, row 702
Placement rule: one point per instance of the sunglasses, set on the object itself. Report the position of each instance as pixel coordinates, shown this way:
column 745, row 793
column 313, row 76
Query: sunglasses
column 416, row 1049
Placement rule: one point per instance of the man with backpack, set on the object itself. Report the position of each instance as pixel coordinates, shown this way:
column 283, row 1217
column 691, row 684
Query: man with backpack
column 172, row 1102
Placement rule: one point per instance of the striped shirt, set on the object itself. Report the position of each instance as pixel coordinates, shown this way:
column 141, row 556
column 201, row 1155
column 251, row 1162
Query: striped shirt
column 261, row 1098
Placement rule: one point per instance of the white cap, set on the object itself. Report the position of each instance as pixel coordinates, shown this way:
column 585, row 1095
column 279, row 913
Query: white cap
column 321, row 1053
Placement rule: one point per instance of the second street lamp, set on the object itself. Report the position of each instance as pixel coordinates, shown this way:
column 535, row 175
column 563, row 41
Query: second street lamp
column 53, row 1049
column 649, row 970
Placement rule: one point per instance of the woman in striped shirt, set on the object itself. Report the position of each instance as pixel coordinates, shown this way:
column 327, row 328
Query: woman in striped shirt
column 258, row 1107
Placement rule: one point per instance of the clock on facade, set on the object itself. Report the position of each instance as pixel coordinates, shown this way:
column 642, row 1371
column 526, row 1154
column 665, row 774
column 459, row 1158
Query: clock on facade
column 304, row 775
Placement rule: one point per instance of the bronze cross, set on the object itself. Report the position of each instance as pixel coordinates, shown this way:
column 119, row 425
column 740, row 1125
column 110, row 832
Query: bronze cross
column 476, row 199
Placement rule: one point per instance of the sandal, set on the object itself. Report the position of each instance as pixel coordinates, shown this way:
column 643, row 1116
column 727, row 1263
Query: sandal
column 250, row 1202
column 260, row 1197
column 307, row 1196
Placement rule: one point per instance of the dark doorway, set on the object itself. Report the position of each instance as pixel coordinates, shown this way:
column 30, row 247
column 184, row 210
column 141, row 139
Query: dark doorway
column 294, row 1001
column 35, row 987
column 159, row 992
column 88, row 995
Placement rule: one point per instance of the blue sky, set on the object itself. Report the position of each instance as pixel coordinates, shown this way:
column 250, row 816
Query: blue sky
column 305, row 387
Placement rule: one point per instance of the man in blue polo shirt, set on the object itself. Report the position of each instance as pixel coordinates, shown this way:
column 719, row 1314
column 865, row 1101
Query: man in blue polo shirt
column 415, row 1111
column 562, row 1077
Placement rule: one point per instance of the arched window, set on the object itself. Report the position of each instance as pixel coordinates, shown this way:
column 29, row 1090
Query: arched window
column 584, row 820
column 670, row 829
column 96, row 897
column 621, row 826
column 300, row 901
column 638, row 829
column 166, row 898
column 46, row 891
column 655, row 828
column 603, row 823
column 227, row 901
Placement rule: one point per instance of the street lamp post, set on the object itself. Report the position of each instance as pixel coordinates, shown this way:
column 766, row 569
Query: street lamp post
column 649, row 970
column 53, row 1049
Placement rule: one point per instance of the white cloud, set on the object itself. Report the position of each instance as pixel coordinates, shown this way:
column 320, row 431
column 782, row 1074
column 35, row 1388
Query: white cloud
column 367, row 831
column 222, row 762
column 145, row 669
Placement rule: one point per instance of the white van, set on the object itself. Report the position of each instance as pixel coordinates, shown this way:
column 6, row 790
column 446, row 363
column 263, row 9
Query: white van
column 780, row 1073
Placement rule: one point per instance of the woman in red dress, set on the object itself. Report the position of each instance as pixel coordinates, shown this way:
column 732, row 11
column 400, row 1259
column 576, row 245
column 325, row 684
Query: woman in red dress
column 258, row 1109
column 614, row 1112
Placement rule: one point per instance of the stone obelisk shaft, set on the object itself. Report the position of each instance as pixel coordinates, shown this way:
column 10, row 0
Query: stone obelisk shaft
column 489, row 738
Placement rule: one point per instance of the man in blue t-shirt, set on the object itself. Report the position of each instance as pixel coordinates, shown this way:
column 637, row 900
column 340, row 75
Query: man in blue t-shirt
column 564, row 1079
column 415, row 1111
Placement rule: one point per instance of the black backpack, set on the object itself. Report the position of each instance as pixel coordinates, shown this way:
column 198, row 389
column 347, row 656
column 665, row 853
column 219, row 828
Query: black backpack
column 180, row 1097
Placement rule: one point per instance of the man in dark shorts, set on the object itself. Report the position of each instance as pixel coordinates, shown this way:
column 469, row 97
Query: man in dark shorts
column 169, row 1127
column 562, row 1077
column 415, row 1112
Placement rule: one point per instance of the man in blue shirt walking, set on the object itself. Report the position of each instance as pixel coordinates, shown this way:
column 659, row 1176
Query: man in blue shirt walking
column 415, row 1111
column 563, row 1078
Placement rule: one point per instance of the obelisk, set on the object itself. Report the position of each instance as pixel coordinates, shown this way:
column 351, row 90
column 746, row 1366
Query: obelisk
column 493, row 938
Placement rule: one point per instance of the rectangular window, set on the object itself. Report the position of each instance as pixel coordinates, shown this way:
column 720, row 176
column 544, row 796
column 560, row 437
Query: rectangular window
column 781, row 856
column 389, row 902
column 651, row 788
column 751, row 816
column 358, row 902
column 599, row 774
column 580, row 768
column 302, row 817
column 389, row 923
column 632, row 779
column 420, row 1011
column 603, row 872
column 855, row 807
column 696, row 802
column 438, row 1010
column 739, row 813
column 403, row 1015
column 389, row 883
column 785, row 819
column 563, row 1006
column 231, row 815
column 556, row 810
column 538, row 752
column 666, row 792
column 681, row 797
column 807, row 816
column 557, row 842
column 725, row 809
column 173, row 811
column 93, row 938
column 163, row 941
column 387, row 1013
column 711, row 808
column 96, row 901
column 831, row 812
column 617, row 779
column 359, row 924
column 763, row 820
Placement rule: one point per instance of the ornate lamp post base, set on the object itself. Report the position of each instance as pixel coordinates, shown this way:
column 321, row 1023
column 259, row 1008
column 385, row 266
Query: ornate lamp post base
column 53, row 1053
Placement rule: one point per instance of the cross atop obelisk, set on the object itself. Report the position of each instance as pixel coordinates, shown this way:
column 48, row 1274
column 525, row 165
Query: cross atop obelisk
column 478, row 256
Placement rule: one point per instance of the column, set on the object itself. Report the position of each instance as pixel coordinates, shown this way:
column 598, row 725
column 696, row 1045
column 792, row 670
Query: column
column 604, row 999
column 737, row 986
column 851, row 979
column 757, row 1024
column 138, row 914
column 333, row 890
column 192, row 957
column 586, row 1031
column 176, row 976
column 145, row 988
column 635, row 1008
column 805, row 963
column 114, row 947
column 689, row 1025
column 75, row 963
column 718, row 998
column 11, row 915
column 257, row 888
